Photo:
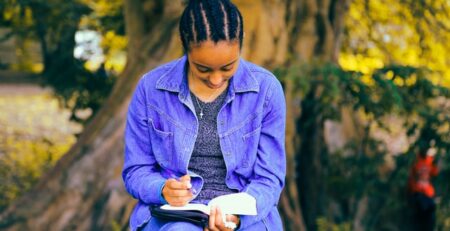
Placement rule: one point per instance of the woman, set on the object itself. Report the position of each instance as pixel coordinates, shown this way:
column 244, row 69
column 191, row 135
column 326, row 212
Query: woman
column 206, row 125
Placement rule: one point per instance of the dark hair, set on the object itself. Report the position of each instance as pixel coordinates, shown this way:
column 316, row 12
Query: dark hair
column 214, row 20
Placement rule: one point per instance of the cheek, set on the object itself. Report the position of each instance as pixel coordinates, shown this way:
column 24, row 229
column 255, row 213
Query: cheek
column 198, row 74
column 228, row 76
column 202, row 76
column 231, row 73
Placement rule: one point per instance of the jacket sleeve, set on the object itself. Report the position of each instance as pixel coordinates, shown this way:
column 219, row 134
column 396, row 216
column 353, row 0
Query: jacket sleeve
column 270, row 166
column 141, row 173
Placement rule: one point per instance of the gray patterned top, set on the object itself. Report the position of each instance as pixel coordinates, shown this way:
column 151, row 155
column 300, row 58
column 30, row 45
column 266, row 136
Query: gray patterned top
column 207, row 159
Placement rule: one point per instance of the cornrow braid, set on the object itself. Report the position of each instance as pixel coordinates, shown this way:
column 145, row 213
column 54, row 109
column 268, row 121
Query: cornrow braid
column 215, row 20
column 226, row 22
column 236, row 23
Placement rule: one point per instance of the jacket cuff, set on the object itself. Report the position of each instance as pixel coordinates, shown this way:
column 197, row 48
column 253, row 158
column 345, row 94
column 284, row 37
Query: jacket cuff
column 149, row 192
column 197, row 183
column 263, row 201
column 161, row 197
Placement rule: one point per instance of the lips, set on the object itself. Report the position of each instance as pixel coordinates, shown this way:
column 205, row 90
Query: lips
column 214, row 86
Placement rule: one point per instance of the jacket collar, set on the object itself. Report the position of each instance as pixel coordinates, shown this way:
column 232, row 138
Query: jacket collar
column 175, row 80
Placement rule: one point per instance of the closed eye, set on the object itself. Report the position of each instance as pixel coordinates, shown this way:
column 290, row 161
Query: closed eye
column 228, row 67
column 203, row 69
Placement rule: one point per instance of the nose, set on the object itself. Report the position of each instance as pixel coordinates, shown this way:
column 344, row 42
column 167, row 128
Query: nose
column 216, row 79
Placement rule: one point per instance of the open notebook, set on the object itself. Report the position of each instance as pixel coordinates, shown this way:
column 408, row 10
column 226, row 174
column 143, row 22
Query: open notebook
column 235, row 203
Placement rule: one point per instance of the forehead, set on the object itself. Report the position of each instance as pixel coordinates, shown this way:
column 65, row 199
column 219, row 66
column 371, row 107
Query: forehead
column 213, row 54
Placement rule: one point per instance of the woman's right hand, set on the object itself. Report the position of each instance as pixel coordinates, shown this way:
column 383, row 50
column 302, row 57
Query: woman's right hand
column 178, row 192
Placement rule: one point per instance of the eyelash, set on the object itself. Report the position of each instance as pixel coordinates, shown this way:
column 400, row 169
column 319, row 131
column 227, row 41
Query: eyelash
column 203, row 70
column 208, row 70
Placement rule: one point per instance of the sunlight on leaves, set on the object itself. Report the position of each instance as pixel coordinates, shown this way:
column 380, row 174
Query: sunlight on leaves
column 34, row 134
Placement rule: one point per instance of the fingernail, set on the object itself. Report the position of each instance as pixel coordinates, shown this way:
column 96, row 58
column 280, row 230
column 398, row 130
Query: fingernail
column 189, row 185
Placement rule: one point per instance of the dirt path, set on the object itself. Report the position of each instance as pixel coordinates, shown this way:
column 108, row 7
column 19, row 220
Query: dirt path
column 11, row 89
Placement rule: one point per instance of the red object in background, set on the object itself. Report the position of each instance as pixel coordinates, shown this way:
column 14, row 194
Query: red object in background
column 420, row 176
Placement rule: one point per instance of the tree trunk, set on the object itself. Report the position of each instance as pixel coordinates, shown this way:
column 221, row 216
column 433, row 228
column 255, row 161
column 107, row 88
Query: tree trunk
column 316, row 35
column 84, row 191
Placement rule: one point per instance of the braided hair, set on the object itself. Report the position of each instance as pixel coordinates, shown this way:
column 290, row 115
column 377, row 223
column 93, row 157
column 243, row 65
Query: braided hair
column 214, row 20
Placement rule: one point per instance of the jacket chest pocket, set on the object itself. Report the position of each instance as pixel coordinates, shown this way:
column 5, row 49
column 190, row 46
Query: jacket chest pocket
column 246, row 142
column 162, row 143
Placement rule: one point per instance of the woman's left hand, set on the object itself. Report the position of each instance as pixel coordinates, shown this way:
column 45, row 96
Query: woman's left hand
column 216, row 221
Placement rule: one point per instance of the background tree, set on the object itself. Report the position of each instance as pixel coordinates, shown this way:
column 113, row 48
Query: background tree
column 53, row 25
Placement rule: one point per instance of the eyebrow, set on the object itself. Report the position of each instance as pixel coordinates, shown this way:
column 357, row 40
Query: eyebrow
column 200, row 65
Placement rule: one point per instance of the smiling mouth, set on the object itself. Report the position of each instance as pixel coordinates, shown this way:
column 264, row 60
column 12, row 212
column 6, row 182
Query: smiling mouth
column 215, row 86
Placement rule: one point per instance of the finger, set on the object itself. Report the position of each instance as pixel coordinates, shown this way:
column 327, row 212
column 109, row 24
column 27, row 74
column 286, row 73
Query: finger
column 231, row 218
column 179, row 193
column 234, row 219
column 174, row 184
column 185, row 198
column 177, row 201
column 176, row 196
column 169, row 182
column 212, row 217
column 219, row 219
column 186, row 179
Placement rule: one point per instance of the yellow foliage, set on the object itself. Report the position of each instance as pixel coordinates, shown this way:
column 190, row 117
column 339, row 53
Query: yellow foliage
column 324, row 224
column 103, row 7
column 114, row 46
column 34, row 134
column 364, row 64
column 411, row 80
column 388, row 32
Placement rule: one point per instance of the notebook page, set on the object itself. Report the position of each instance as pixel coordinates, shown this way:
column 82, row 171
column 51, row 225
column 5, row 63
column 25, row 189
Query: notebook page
column 235, row 203
column 199, row 207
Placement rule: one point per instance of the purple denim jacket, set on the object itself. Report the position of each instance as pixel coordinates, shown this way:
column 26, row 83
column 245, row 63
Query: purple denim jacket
column 162, row 128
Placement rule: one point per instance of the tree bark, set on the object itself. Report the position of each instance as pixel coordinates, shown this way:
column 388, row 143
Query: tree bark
column 84, row 191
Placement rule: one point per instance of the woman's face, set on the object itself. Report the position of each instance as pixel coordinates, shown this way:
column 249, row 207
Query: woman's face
column 211, row 64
